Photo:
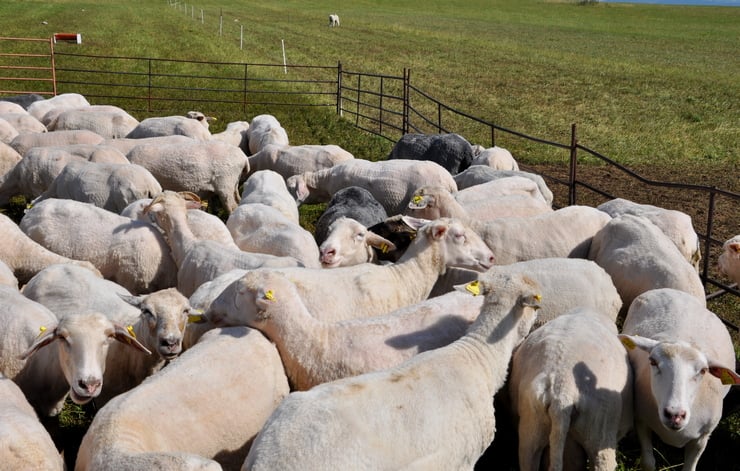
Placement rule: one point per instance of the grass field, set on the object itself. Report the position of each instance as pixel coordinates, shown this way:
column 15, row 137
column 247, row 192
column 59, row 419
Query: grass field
column 650, row 86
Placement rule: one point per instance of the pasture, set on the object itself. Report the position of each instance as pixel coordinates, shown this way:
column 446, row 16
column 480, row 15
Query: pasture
column 654, row 87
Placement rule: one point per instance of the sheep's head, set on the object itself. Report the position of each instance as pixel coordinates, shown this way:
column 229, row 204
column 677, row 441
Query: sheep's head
column 200, row 117
column 425, row 203
column 677, row 371
column 169, row 204
column 350, row 243
column 458, row 245
column 83, row 341
column 164, row 314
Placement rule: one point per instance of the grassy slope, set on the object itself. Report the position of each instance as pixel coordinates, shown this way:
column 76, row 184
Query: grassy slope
column 644, row 83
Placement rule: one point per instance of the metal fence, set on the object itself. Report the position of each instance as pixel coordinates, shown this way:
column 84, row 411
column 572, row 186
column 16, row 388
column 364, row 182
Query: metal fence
column 385, row 105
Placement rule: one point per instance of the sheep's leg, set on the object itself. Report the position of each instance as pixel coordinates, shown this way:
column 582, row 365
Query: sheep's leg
column 532, row 441
column 604, row 459
column 559, row 426
column 644, row 435
column 693, row 451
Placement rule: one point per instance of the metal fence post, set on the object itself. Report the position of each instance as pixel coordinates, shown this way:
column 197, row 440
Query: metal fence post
column 339, row 88
column 406, row 104
column 244, row 98
column 149, row 88
column 53, row 66
column 573, row 163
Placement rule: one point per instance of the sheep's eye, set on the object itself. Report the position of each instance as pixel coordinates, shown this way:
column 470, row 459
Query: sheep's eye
column 653, row 362
column 146, row 312
column 703, row 371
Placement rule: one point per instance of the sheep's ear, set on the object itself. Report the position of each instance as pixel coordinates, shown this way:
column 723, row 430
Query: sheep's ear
column 45, row 338
column 531, row 300
column 474, row 288
column 438, row 229
column 196, row 316
column 300, row 189
column 264, row 299
column 154, row 205
column 734, row 247
column 414, row 223
column 192, row 201
column 127, row 336
column 420, row 202
column 726, row 375
column 135, row 301
column 380, row 243
column 631, row 342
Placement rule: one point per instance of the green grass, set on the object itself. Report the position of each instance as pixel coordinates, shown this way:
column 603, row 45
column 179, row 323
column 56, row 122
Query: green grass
column 647, row 85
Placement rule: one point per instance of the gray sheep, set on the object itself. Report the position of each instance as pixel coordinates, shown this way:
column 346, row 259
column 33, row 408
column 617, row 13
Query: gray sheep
column 451, row 151
column 353, row 202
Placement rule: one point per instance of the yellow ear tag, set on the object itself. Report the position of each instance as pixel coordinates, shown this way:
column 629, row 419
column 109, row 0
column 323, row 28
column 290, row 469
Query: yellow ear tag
column 384, row 248
column 130, row 330
column 269, row 295
column 726, row 377
column 627, row 342
column 42, row 329
column 195, row 318
column 538, row 297
column 417, row 199
column 473, row 287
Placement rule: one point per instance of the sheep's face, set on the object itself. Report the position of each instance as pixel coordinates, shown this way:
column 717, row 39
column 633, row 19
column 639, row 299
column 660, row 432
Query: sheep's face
column 346, row 244
column 461, row 246
column 165, row 314
column 676, row 370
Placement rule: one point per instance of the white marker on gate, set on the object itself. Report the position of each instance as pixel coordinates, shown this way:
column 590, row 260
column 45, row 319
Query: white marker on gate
column 285, row 64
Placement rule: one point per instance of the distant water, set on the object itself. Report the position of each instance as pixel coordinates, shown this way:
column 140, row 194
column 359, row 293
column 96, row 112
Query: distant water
column 710, row 3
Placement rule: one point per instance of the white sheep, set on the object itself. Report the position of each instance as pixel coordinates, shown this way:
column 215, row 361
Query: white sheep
column 729, row 259
column 25, row 141
column 111, row 122
column 566, row 232
column 350, row 243
column 333, row 20
column 315, row 352
column 260, row 228
column 264, row 130
column 495, row 157
column 204, row 225
column 571, row 380
column 11, row 107
column 204, row 168
column 8, row 132
column 199, row 261
column 235, row 134
column 62, row 101
column 125, row 145
column 294, row 160
column 25, row 257
column 41, row 165
column 484, row 202
column 108, row 186
column 157, row 320
column 586, row 285
column 131, row 253
column 640, row 257
column 7, row 278
column 9, row 158
column 391, row 182
column 673, row 342
column 676, row 225
column 195, row 127
column 369, row 290
column 141, row 430
column 432, row 412
column 477, row 174
column 75, row 367
column 24, row 122
column 24, row 442
column 268, row 187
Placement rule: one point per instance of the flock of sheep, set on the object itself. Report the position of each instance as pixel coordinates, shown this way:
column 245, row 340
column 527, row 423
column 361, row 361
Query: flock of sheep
column 435, row 279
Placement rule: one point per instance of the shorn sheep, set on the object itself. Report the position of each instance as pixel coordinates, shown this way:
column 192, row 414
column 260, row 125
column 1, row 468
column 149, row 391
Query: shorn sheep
column 24, row 442
column 571, row 380
column 682, row 356
column 729, row 259
column 432, row 412
column 333, row 20
column 369, row 290
column 315, row 352
column 201, row 412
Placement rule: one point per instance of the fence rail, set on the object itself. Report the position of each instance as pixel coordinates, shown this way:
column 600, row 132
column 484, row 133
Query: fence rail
column 385, row 105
